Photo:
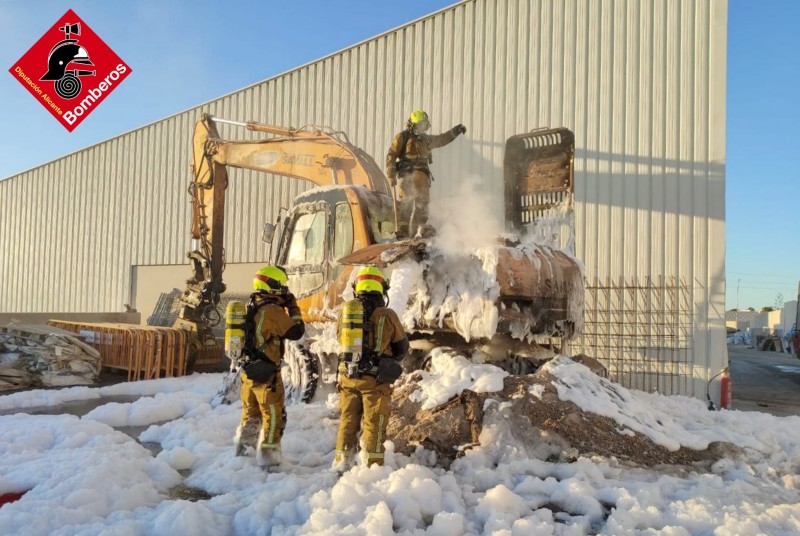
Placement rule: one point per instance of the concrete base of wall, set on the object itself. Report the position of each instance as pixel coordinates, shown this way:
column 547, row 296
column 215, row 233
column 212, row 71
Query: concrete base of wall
column 150, row 281
column 42, row 318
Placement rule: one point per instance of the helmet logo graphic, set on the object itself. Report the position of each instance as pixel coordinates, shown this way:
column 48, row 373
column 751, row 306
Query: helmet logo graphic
column 64, row 54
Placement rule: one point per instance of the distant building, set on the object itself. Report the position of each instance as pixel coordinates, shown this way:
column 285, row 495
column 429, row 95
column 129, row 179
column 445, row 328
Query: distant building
column 778, row 322
column 740, row 320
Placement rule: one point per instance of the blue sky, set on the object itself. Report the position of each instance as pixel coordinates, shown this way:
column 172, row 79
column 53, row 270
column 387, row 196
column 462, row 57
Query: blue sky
column 763, row 141
column 185, row 52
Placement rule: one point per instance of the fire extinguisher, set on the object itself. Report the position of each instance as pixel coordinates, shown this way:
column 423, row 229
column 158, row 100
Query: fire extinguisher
column 725, row 389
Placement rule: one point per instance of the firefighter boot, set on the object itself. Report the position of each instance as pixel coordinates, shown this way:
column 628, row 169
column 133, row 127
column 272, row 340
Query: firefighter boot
column 267, row 455
column 343, row 462
column 246, row 436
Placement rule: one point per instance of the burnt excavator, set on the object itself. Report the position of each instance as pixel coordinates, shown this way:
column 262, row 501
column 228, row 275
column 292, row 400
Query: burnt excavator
column 350, row 219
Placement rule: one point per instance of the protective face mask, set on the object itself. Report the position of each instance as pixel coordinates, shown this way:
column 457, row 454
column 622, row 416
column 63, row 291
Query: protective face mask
column 422, row 127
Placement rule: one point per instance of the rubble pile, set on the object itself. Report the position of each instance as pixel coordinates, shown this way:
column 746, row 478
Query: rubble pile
column 526, row 417
column 35, row 355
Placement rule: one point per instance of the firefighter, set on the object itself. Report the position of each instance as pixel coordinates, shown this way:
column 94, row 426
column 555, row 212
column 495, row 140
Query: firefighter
column 408, row 160
column 272, row 317
column 373, row 343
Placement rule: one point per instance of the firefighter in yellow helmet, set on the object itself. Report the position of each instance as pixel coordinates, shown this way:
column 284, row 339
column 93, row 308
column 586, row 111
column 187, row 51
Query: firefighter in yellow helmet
column 407, row 160
column 373, row 343
column 272, row 317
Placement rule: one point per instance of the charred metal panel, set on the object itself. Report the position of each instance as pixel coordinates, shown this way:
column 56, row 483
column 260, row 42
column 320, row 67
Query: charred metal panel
column 382, row 255
column 537, row 169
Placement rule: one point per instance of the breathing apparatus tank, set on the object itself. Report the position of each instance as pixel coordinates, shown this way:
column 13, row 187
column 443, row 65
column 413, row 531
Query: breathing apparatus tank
column 351, row 335
column 235, row 317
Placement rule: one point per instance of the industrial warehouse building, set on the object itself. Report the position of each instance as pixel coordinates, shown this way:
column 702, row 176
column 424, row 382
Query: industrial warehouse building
column 640, row 83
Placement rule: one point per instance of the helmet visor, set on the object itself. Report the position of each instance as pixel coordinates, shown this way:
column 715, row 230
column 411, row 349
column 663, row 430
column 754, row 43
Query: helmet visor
column 422, row 127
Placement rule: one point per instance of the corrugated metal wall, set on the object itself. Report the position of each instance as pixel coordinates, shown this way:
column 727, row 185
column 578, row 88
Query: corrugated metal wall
column 640, row 82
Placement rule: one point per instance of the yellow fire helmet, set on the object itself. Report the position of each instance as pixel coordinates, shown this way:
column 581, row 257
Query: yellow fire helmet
column 370, row 279
column 270, row 279
column 417, row 116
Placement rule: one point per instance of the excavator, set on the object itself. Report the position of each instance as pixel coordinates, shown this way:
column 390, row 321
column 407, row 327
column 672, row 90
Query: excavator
column 350, row 218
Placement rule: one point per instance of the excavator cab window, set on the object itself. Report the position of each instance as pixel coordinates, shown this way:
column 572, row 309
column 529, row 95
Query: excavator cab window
column 307, row 243
column 343, row 231
column 381, row 221
column 304, row 246
column 379, row 213
column 342, row 237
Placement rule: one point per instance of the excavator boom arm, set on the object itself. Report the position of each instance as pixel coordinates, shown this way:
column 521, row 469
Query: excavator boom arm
column 317, row 155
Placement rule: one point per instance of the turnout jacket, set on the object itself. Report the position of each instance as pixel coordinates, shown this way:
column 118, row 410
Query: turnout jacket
column 273, row 326
column 418, row 149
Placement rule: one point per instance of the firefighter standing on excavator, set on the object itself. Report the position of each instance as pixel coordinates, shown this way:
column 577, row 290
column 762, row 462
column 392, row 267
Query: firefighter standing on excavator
column 272, row 317
column 373, row 343
column 408, row 159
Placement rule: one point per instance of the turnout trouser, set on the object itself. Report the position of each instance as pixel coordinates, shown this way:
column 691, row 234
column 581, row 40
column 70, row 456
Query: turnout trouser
column 264, row 402
column 415, row 196
column 365, row 406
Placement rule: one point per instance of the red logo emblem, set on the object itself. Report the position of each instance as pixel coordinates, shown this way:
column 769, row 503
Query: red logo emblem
column 70, row 70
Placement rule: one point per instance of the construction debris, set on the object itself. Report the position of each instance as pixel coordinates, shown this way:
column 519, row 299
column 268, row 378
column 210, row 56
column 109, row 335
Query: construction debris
column 527, row 414
column 38, row 355
column 769, row 343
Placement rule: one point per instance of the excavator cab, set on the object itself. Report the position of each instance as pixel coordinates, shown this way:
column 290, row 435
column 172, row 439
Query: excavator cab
column 324, row 225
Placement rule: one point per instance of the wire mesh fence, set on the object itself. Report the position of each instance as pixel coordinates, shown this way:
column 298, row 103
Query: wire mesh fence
column 168, row 307
column 641, row 329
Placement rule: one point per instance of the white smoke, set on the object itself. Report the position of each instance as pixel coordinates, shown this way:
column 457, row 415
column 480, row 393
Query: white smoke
column 464, row 219
column 457, row 280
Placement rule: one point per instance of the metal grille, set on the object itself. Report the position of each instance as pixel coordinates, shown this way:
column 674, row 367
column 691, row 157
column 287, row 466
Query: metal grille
column 166, row 310
column 537, row 207
column 641, row 330
column 552, row 138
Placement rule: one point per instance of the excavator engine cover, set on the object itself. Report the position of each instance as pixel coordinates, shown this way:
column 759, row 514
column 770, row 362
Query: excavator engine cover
column 543, row 289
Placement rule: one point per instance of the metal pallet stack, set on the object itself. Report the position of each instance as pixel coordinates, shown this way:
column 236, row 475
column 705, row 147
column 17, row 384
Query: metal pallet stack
column 145, row 352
